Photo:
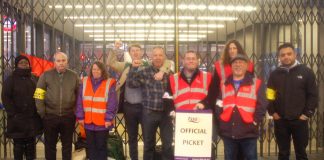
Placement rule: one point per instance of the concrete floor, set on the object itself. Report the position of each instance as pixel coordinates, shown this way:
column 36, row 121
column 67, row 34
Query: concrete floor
column 80, row 154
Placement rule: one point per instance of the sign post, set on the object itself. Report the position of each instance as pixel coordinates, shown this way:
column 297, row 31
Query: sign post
column 193, row 135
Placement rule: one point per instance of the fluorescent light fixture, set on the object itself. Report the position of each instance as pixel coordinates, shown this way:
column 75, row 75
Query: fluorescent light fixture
column 88, row 6
column 110, row 6
column 140, row 6
column 206, row 26
column 196, row 31
column 84, row 17
column 131, row 17
column 186, row 17
column 68, row 6
column 79, row 6
column 130, row 6
column 58, row 6
column 119, row 6
column 169, row 6
column 132, row 25
column 149, row 6
column 219, row 18
column 98, row 31
column 92, row 25
column 159, row 6
column 50, row 6
column 238, row 8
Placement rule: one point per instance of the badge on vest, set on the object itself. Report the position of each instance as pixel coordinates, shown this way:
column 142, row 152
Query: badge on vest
column 246, row 89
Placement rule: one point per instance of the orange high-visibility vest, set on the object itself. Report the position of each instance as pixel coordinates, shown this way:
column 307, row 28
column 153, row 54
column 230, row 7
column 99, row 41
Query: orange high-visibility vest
column 245, row 100
column 186, row 96
column 94, row 103
column 224, row 71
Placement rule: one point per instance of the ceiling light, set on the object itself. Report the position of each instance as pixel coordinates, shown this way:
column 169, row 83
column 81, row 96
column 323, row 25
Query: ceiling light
column 159, row 6
column 169, row 6
column 88, row 6
column 232, row 8
column 109, row 6
column 130, row 6
column 99, row 31
column 68, row 6
column 58, row 6
column 206, row 26
column 78, row 6
column 139, row 6
column 119, row 6
column 149, row 6
column 209, row 18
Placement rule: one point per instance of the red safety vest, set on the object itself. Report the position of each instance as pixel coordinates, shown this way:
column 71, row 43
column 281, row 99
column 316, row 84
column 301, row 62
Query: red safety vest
column 186, row 96
column 94, row 103
column 245, row 100
column 224, row 71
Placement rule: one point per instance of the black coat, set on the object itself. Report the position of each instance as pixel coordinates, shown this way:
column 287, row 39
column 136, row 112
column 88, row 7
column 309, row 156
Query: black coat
column 296, row 92
column 17, row 97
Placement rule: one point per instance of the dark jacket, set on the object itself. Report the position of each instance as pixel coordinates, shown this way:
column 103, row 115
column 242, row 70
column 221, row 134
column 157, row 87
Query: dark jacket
column 236, row 128
column 61, row 93
column 296, row 92
column 17, row 97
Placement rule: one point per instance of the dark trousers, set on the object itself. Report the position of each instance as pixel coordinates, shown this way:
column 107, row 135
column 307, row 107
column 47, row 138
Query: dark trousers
column 295, row 129
column 24, row 147
column 133, row 117
column 97, row 144
column 248, row 147
column 53, row 126
column 152, row 120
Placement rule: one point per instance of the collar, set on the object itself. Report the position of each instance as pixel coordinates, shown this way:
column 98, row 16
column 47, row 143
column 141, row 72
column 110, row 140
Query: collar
column 247, row 80
column 290, row 67
column 194, row 75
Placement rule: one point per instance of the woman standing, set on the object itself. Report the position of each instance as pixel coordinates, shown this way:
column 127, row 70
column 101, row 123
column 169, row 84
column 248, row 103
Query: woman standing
column 222, row 67
column 23, row 122
column 96, row 109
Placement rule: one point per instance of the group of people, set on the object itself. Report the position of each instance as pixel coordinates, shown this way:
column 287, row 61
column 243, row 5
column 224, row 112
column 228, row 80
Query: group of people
column 148, row 93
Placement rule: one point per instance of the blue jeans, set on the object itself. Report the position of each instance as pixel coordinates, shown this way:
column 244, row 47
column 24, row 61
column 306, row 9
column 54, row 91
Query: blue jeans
column 247, row 145
column 133, row 117
column 151, row 121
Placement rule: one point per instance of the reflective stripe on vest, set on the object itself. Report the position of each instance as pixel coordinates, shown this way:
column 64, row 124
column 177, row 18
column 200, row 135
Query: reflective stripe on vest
column 95, row 99
column 245, row 102
column 195, row 93
column 94, row 110
column 220, row 70
column 187, row 89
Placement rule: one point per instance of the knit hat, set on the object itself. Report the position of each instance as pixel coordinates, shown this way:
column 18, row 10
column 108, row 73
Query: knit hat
column 19, row 58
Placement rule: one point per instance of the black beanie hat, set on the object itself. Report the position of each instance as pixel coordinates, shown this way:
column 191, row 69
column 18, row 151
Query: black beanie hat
column 19, row 58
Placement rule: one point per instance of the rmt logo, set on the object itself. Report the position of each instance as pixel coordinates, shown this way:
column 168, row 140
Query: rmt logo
column 193, row 119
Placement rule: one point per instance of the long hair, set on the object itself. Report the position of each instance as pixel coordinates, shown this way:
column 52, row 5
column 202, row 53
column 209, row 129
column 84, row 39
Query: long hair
column 226, row 59
column 101, row 66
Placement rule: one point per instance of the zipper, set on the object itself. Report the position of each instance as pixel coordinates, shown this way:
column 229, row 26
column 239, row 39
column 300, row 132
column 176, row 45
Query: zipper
column 61, row 93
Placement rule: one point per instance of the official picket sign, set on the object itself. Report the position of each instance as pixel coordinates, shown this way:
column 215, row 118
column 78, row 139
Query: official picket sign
column 193, row 135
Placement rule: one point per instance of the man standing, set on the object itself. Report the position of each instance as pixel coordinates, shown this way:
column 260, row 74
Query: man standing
column 293, row 97
column 190, row 86
column 155, row 113
column 55, row 97
column 130, row 99
column 243, row 108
